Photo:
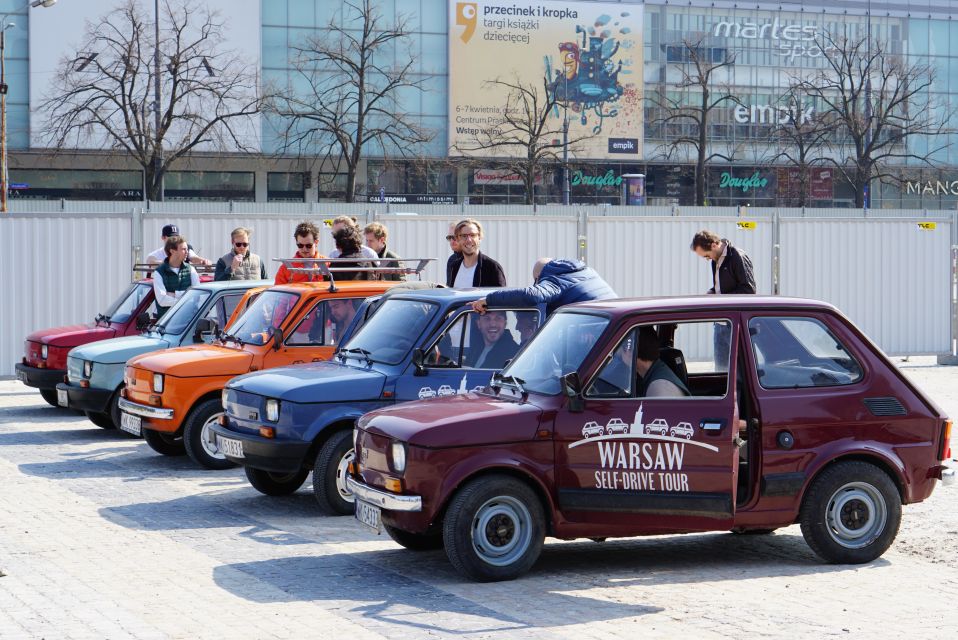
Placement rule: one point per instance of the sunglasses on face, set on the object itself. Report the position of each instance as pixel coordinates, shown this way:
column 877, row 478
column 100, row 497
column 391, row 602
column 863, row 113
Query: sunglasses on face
column 304, row 246
column 450, row 238
column 240, row 244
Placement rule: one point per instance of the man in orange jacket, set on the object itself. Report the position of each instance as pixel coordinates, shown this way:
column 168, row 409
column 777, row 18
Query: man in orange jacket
column 307, row 246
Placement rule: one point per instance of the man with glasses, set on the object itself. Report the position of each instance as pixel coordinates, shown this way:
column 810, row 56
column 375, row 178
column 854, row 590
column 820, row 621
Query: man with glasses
column 471, row 268
column 307, row 246
column 240, row 263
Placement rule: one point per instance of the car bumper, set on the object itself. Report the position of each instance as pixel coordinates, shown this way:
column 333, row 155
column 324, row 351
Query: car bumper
column 148, row 412
column 86, row 398
column 383, row 499
column 948, row 476
column 265, row 453
column 39, row 378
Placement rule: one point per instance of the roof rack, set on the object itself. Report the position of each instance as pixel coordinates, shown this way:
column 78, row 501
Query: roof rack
column 148, row 269
column 327, row 266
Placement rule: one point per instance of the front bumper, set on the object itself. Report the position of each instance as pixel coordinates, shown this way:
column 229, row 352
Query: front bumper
column 265, row 453
column 148, row 412
column 86, row 398
column 383, row 499
column 39, row 378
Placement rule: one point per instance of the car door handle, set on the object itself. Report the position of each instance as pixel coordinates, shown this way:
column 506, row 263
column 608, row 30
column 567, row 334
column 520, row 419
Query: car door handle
column 712, row 425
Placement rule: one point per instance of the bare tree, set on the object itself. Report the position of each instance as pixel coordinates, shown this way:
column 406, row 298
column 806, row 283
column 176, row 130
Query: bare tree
column 685, row 109
column 799, row 136
column 105, row 96
column 880, row 104
column 354, row 73
column 525, row 136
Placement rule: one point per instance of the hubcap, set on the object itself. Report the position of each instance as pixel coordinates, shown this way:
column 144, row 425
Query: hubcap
column 208, row 438
column 342, row 470
column 856, row 515
column 501, row 531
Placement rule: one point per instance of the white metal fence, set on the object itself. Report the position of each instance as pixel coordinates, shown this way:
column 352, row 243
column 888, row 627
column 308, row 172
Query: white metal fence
column 892, row 274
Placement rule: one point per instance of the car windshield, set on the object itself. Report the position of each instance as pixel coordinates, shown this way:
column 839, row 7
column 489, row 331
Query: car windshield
column 269, row 310
column 181, row 314
column 558, row 349
column 124, row 306
column 392, row 330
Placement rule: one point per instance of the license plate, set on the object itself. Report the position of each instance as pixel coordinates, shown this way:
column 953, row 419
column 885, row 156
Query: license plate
column 22, row 376
column 131, row 424
column 62, row 398
column 368, row 514
column 230, row 447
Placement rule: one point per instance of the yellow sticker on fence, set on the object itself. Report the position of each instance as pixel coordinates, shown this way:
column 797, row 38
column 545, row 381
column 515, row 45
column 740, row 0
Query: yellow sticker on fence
column 927, row 226
column 328, row 222
column 747, row 224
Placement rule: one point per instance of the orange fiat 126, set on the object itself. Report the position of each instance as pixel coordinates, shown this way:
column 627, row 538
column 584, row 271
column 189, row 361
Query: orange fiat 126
column 173, row 396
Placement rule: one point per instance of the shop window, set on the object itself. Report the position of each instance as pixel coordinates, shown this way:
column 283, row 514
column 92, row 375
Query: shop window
column 286, row 187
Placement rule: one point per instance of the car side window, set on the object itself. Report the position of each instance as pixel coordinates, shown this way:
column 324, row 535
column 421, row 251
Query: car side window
column 616, row 379
column 486, row 341
column 800, row 352
column 311, row 329
column 325, row 323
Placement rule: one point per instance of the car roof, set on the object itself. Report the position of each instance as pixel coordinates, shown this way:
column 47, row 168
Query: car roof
column 222, row 285
column 626, row 306
column 366, row 287
column 446, row 294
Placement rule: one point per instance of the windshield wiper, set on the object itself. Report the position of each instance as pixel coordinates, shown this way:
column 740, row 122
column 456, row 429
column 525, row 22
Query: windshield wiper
column 100, row 317
column 225, row 337
column 512, row 381
column 362, row 352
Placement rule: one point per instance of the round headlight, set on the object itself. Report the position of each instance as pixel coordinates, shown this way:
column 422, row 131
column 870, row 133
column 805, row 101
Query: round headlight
column 44, row 351
column 398, row 454
column 272, row 409
column 158, row 382
column 87, row 368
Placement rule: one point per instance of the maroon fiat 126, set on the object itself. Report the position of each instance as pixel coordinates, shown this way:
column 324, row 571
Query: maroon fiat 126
column 653, row 416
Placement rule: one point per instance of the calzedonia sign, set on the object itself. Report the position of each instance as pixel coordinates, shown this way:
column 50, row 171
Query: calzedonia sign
column 754, row 181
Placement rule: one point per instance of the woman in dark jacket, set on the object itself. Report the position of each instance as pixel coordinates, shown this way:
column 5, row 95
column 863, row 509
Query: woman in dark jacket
column 349, row 240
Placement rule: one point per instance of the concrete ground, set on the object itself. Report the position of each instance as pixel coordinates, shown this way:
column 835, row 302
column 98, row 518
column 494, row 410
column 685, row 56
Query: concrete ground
column 102, row 538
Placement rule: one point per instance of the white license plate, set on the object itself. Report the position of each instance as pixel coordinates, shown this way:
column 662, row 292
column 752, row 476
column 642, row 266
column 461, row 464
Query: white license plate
column 230, row 447
column 131, row 424
column 368, row 514
column 62, row 398
column 22, row 376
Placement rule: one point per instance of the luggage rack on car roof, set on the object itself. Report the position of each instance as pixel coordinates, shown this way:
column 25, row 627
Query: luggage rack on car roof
column 322, row 265
column 148, row 269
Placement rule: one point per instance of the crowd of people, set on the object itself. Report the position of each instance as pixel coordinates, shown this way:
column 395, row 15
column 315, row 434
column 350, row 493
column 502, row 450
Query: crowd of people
column 363, row 254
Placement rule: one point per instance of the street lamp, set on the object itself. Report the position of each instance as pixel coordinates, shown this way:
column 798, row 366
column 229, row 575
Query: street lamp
column 4, row 25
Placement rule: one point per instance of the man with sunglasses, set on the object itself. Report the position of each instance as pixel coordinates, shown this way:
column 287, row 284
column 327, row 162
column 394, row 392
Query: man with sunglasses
column 240, row 263
column 307, row 246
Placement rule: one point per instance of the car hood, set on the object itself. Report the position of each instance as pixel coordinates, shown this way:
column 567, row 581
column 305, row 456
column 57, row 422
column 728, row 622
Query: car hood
column 458, row 421
column 314, row 382
column 196, row 361
column 118, row 350
column 72, row 335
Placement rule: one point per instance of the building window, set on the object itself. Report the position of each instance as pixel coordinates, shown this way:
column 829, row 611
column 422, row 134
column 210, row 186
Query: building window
column 75, row 184
column 219, row 186
column 286, row 187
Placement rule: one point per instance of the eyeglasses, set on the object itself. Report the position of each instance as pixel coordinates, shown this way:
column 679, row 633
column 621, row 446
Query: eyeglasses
column 240, row 244
column 450, row 238
column 305, row 246
column 467, row 236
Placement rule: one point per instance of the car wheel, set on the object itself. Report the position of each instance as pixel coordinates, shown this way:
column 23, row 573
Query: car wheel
column 494, row 529
column 672, row 433
column 276, row 484
column 329, row 475
column 50, row 396
column 164, row 443
column 101, row 420
column 198, row 435
column 851, row 513
column 414, row 541
column 114, row 411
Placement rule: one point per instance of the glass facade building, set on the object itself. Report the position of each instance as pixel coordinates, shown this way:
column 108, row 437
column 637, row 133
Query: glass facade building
column 770, row 47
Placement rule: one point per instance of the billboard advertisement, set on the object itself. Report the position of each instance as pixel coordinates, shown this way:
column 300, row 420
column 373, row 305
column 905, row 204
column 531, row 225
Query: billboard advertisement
column 587, row 55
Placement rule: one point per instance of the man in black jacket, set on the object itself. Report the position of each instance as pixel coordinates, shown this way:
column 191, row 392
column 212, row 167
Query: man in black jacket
column 731, row 273
column 471, row 268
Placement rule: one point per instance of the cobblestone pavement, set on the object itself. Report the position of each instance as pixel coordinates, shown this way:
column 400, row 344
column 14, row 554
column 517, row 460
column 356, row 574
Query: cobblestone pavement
column 102, row 538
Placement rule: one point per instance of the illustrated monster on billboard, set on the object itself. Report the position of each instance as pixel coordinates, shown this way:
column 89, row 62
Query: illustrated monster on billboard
column 588, row 80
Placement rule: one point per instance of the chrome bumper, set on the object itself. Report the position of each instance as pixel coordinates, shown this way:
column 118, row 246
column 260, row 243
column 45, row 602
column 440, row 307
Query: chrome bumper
column 143, row 410
column 383, row 499
column 948, row 477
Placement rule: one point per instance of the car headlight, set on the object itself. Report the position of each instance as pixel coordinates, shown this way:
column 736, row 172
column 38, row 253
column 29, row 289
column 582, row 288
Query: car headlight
column 398, row 454
column 158, row 382
column 272, row 409
column 87, row 369
column 44, row 351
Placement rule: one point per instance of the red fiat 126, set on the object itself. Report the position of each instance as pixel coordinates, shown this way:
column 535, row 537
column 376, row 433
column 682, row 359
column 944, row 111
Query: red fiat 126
column 654, row 416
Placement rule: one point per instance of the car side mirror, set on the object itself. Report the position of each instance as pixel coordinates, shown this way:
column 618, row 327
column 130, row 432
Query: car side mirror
column 419, row 360
column 143, row 320
column 572, row 389
column 203, row 327
column 278, row 338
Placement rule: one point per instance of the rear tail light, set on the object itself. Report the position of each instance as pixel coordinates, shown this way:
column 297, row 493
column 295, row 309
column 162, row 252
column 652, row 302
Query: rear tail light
column 946, row 441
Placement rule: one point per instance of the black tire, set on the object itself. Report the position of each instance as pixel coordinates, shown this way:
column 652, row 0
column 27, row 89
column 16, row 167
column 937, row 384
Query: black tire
column 276, row 484
column 851, row 513
column 494, row 529
column 415, row 541
column 102, row 420
column 50, row 396
column 329, row 475
column 115, row 413
column 198, row 437
column 164, row 443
